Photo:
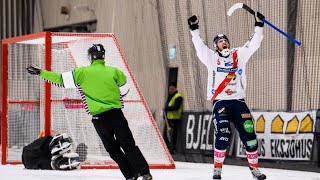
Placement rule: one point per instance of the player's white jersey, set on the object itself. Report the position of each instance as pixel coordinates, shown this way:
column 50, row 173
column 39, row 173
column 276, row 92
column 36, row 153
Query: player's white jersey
column 226, row 76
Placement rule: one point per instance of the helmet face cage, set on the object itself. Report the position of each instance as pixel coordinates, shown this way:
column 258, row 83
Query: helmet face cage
column 96, row 51
column 217, row 38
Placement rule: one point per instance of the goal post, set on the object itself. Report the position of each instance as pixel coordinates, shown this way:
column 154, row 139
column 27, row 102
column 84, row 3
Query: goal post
column 31, row 106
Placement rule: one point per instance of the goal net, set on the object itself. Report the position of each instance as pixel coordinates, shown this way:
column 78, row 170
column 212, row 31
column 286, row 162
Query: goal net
column 31, row 106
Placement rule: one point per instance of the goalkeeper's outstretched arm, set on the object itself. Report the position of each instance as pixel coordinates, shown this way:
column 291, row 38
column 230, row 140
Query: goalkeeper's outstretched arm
column 64, row 80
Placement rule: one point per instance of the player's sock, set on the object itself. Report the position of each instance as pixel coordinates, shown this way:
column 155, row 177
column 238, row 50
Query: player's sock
column 219, row 156
column 252, row 159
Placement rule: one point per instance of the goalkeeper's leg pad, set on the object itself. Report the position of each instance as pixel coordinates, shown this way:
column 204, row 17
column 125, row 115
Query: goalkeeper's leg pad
column 60, row 144
column 67, row 161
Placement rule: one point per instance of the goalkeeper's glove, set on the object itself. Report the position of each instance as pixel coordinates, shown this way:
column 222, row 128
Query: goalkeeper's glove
column 35, row 70
column 193, row 22
column 258, row 17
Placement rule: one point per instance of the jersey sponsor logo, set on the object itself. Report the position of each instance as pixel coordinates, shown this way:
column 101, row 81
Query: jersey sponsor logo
column 223, row 113
column 228, row 64
column 227, row 70
column 252, row 143
column 213, row 81
column 221, row 110
column 245, row 115
column 231, row 77
column 225, row 130
column 253, row 156
column 224, row 139
column 248, row 126
column 223, row 121
column 229, row 92
column 231, row 84
column 219, row 154
column 215, row 126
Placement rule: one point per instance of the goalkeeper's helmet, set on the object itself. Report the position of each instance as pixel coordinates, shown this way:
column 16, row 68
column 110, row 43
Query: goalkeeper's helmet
column 96, row 51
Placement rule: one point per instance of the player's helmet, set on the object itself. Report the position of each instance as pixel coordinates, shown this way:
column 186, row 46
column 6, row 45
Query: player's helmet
column 218, row 37
column 224, row 52
column 96, row 51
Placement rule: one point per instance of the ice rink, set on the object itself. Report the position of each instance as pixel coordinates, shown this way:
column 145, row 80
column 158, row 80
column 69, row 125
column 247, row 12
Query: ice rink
column 183, row 171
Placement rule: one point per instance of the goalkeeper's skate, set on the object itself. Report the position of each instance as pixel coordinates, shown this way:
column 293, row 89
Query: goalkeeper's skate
column 217, row 173
column 257, row 174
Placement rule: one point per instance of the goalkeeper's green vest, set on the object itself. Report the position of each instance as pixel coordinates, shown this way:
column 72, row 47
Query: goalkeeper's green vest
column 99, row 85
column 178, row 113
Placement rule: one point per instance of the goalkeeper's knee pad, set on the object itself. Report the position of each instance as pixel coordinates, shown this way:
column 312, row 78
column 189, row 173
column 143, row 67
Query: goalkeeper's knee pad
column 67, row 161
column 60, row 144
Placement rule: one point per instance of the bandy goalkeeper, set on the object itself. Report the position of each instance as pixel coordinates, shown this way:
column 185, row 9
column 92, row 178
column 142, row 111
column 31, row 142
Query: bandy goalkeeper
column 51, row 153
column 99, row 86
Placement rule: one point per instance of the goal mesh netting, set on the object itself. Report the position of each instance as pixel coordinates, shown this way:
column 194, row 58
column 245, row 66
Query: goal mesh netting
column 31, row 107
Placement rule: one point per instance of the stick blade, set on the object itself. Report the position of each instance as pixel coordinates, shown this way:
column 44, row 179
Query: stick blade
column 234, row 7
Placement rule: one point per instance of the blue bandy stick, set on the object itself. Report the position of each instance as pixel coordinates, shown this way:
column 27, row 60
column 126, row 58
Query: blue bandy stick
column 247, row 8
column 283, row 33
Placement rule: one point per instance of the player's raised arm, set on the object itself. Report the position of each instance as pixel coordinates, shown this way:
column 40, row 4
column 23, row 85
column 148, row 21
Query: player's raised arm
column 203, row 51
column 254, row 43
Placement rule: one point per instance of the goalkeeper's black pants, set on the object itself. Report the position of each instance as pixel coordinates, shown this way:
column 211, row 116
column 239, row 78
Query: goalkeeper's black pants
column 112, row 128
column 37, row 155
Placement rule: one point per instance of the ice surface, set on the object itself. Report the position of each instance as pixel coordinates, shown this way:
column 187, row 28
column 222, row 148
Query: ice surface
column 184, row 171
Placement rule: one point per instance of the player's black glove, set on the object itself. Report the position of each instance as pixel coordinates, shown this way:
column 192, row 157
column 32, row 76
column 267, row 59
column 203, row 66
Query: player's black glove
column 33, row 70
column 193, row 22
column 258, row 17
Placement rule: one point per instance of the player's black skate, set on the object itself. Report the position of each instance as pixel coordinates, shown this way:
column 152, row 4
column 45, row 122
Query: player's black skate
column 257, row 174
column 147, row 177
column 217, row 173
column 133, row 178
